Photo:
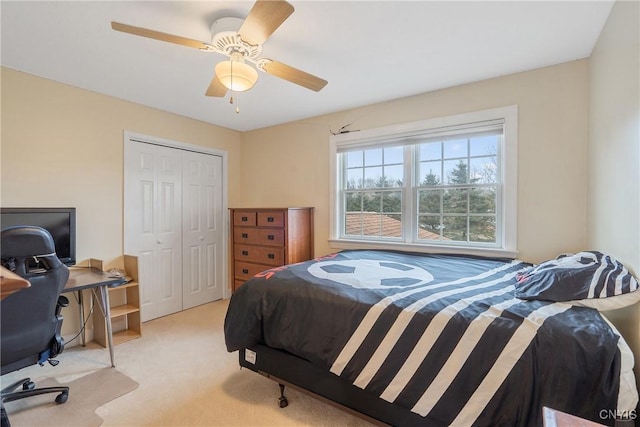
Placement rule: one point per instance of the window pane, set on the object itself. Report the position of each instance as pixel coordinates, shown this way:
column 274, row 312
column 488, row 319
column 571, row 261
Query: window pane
column 484, row 170
column 354, row 178
column 429, row 201
column 429, row 227
column 455, row 201
column 393, row 155
column 373, row 157
column 353, row 224
column 430, row 173
column 454, row 148
column 354, row 158
column 431, row 151
column 482, row 229
column 353, row 202
column 394, row 175
column 372, row 202
column 392, row 225
column 484, row 145
column 373, row 177
column 482, row 200
column 456, row 172
column 392, row 202
column 372, row 224
column 455, row 228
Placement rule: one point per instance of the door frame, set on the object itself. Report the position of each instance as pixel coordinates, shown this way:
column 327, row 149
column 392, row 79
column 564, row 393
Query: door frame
column 130, row 137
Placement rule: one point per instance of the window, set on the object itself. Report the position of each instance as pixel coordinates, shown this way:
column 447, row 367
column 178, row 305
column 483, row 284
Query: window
column 445, row 183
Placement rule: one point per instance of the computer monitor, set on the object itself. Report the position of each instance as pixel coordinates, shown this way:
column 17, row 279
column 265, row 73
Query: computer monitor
column 59, row 222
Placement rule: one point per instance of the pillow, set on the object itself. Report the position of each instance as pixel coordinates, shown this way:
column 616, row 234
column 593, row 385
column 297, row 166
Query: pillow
column 587, row 279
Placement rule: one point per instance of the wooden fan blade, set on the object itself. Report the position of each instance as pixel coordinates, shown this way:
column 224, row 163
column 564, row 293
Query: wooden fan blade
column 294, row 75
column 264, row 18
column 216, row 88
column 157, row 35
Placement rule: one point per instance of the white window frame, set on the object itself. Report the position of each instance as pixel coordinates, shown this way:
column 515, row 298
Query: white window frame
column 507, row 214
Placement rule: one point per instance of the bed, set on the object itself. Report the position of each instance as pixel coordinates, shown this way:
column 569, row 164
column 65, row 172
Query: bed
column 411, row 339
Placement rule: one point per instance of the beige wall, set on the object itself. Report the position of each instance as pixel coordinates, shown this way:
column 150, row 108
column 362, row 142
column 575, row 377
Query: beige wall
column 289, row 164
column 63, row 146
column 614, row 153
column 614, row 137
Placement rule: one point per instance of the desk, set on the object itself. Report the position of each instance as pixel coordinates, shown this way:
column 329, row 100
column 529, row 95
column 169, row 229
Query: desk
column 93, row 279
column 10, row 282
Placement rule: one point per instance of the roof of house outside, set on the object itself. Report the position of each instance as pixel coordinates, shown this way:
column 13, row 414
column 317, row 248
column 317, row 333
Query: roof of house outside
column 376, row 224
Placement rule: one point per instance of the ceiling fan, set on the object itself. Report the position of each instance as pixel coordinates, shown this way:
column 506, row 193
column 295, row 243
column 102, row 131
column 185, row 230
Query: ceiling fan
column 242, row 42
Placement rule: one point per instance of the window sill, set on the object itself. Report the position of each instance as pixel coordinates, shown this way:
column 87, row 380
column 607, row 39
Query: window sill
column 461, row 250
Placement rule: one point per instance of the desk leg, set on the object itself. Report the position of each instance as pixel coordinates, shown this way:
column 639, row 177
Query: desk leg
column 82, row 325
column 106, row 310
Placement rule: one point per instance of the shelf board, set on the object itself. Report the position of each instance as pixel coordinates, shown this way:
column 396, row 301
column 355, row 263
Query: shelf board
column 126, row 335
column 121, row 310
column 125, row 286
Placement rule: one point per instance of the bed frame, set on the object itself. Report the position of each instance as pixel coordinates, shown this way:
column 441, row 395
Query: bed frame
column 289, row 370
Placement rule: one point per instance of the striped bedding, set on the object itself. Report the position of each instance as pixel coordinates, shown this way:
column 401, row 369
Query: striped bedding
column 443, row 336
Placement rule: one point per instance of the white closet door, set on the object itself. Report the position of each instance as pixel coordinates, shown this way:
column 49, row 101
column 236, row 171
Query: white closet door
column 153, row 225
column 202, row 231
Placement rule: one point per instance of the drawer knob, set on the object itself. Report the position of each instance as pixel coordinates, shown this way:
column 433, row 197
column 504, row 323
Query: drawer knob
column 245, row 236
column 245, row 271
column 270, row 219
column 245, row 253
column 271, row 237
column 245, row 219
column 271, row 256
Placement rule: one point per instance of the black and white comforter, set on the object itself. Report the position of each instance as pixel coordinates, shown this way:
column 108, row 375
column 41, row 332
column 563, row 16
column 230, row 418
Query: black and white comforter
column 441, row 335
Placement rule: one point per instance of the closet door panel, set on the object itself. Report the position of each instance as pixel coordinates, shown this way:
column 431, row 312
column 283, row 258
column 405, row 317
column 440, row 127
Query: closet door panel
column 153, row 218
column 202, row 232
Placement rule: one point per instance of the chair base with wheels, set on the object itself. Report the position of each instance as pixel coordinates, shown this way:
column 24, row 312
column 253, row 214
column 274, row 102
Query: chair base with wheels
column 29, row 389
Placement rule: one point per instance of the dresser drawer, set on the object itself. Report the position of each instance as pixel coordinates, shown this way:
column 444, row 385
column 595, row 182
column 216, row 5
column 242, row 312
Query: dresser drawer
column 247, row 218
column 261, row 254
column 258, row 236
column 246, row 270
column 270, row 219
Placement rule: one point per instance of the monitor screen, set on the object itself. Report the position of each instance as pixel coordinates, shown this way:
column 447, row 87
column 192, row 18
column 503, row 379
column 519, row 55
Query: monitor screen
column 59, row 222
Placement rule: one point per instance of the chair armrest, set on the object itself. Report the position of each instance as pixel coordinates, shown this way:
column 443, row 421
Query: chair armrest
column 62, row 302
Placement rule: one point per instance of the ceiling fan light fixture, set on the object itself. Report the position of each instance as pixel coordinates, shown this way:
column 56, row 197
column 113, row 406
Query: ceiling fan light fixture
column 236, row 76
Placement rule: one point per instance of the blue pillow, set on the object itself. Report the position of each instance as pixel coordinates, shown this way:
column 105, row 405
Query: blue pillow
column 579, row 278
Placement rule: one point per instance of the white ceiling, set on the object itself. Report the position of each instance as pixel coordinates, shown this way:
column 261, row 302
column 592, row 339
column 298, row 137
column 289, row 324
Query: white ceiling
column 369, row 51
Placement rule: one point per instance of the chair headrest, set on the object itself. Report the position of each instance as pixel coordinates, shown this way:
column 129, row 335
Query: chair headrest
column 25, row 241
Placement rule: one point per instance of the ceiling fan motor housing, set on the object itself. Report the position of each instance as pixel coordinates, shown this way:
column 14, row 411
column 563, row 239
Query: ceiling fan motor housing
column 226, row 40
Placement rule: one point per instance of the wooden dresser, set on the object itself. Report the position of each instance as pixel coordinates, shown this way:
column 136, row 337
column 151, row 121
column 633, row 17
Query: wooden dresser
column 264, row 238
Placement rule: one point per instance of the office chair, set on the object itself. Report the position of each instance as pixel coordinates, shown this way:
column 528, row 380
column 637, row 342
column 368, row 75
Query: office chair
column 31, row 323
